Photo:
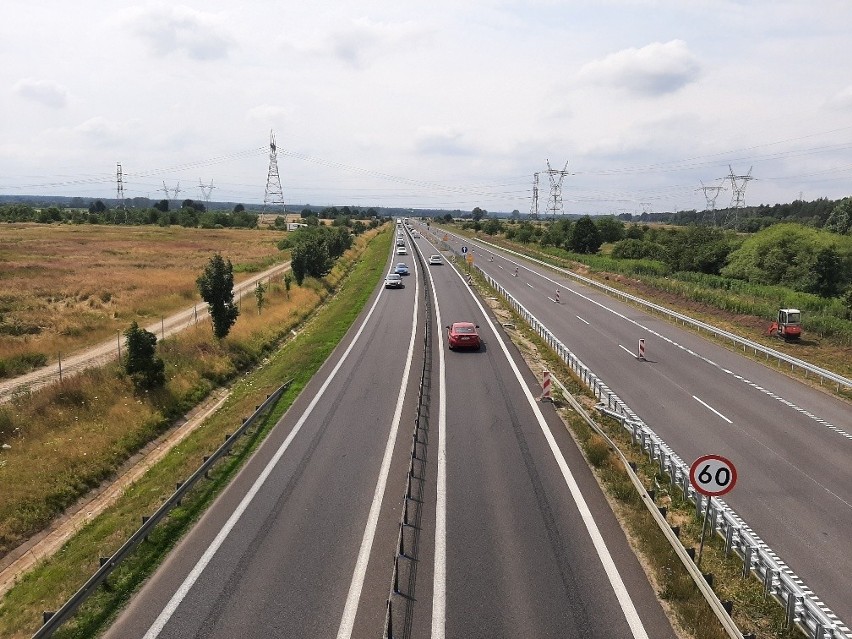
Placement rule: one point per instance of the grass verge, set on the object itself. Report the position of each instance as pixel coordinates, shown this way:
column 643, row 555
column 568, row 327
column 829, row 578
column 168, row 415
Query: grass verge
column 55, row 580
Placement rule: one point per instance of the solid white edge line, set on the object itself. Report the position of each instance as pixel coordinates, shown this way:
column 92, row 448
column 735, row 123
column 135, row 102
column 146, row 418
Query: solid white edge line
column 350, row 610
column 709, row 407
column 620, row 590
column 439, row 580
column 163, row 618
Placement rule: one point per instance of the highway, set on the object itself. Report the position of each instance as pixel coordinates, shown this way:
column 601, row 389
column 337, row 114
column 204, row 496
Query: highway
column 792, row 444
column 510, row 534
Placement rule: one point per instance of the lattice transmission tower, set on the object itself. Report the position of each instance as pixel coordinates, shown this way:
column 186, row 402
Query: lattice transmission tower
column 175, row 192
column 119, row 191
column 534, row 204
column 274, row 195
column 554, row 202
column 738, row 186
column 710, row 195
column 206, row 190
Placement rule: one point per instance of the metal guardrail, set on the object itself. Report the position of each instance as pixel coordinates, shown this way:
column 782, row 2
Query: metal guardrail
column 411, row 500
column 802, row 607
column 821, row 373
column 658, row 514
column 53, row 620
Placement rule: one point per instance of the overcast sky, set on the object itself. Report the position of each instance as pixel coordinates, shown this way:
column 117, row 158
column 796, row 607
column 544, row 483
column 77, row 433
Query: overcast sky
column 436, row 104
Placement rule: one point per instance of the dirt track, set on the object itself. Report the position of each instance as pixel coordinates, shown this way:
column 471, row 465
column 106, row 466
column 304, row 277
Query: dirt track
column 108, row 351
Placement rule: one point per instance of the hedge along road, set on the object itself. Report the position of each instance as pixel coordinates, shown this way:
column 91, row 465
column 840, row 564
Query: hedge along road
column 108, row 351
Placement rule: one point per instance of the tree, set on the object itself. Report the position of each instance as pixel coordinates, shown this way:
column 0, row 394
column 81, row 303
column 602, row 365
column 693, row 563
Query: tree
column 216, row 286
column 288, row 282
column 478, row 214
column 239, row 208
column 612, row 230
column 700, row 249
column 259, row 295
column 840, row 218
column 310, row 257
column 585, row 237
column 796, row 256
column 141, row 362
column 492, row 226
column 97, row 207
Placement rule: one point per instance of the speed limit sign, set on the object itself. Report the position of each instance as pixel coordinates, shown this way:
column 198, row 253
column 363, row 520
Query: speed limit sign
column 713, row 475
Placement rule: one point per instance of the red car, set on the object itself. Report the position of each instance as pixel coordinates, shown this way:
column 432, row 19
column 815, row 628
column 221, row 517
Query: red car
column 463, row 335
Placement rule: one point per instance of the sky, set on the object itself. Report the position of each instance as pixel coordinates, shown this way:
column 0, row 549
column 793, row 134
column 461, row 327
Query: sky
column 635, row 104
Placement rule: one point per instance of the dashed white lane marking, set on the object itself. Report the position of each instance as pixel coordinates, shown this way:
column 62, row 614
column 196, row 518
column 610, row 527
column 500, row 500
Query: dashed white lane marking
column 582, row 320
column 709, row 407
column 843, row 433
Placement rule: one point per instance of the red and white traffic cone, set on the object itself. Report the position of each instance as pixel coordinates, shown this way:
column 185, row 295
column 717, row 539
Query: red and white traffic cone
column 545, row 387
column 641, row 348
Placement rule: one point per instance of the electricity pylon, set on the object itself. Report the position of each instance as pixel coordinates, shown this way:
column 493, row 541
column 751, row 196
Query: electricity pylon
column 534, row 204
column 710, row 194
column 274, row 195
column 554, row 202
column 119, row 190
column 206, row 190
column 738, row 186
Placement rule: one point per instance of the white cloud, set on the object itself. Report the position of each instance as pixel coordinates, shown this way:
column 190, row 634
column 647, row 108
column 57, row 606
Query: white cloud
column 362, row 41
column 268, row 113
column 655, row 69
column 101, row 131
column 842, row 99
column 441, row 141
column 178, row 29
column 46, row 93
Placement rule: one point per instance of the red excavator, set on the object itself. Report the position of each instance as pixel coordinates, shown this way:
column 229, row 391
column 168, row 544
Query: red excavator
column 788, row 325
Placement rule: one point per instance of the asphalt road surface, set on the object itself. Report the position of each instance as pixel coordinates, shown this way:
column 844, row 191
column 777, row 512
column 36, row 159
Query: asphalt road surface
column 511, row 536
column 791, row 443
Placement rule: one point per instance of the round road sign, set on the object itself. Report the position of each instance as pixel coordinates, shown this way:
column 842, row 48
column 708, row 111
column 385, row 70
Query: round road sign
column 713, row 475
column 464, row 250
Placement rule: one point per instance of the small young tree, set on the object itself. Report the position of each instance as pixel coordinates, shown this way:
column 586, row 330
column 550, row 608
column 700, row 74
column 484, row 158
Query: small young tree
column 141, row 362
column 259, row 296
column 216, row 286
column 288, row 282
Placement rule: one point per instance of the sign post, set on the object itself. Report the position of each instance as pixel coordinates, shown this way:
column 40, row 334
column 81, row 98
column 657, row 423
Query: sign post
column 712, row 476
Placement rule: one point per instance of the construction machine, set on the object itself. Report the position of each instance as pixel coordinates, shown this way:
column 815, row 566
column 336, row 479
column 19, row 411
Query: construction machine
column 788, row 325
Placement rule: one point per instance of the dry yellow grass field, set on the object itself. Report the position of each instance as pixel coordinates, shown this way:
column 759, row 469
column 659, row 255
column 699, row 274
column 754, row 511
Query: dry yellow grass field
column 63, row 287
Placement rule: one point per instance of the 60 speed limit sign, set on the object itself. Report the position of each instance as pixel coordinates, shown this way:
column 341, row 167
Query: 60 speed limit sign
column 712, row 475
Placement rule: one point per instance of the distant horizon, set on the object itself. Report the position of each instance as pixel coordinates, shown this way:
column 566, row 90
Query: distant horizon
column 298, row 208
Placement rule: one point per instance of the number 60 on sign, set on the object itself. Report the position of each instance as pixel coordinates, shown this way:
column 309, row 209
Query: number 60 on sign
column 713, row 475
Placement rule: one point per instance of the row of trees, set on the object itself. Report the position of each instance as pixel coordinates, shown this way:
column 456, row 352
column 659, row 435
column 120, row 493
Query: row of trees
column 314, row 249
column 830, row 215
column 191, row 214
column 793, row 255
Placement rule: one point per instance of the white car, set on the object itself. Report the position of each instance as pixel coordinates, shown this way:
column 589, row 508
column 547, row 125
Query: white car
column 401, row 251
column 435, row 259
column 394, row 280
